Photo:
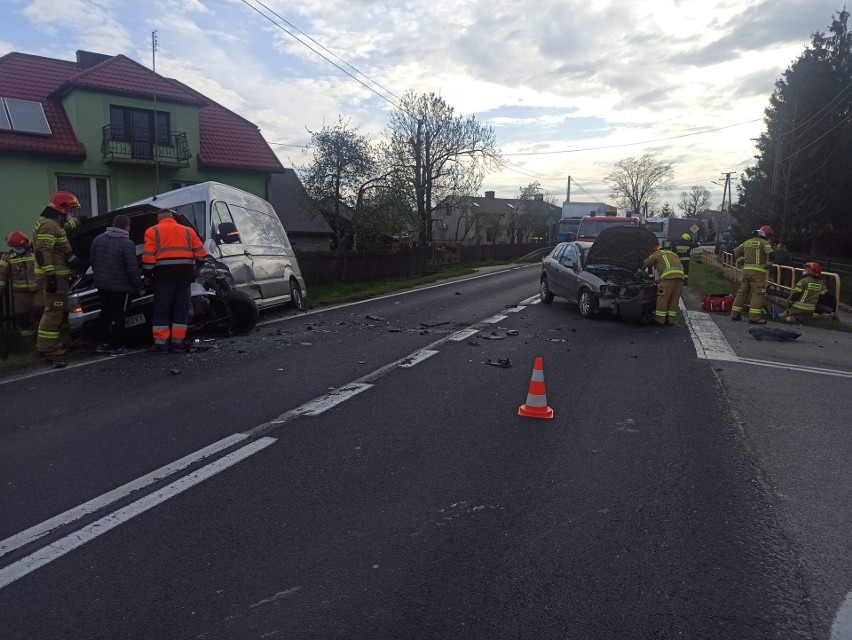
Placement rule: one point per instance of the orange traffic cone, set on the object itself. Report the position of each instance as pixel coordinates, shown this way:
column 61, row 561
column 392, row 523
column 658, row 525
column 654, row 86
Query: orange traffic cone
column 536, row 404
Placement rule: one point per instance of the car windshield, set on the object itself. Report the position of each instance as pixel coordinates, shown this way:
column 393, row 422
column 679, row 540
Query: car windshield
column 593, row 228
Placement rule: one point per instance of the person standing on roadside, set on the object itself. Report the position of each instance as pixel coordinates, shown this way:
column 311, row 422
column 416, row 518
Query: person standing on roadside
column 169, row 261
column 683, row 247
column 117, row 277
column 756, row 255
column 52, row 252
column 670, row 285
column 17, row 268
column 783, row 258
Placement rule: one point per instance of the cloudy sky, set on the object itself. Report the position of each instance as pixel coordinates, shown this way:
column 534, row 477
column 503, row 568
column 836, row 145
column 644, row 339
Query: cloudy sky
column 570, row 86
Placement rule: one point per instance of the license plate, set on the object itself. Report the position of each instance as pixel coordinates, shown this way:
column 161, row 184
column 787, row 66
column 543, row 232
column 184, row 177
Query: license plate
column 134, row 321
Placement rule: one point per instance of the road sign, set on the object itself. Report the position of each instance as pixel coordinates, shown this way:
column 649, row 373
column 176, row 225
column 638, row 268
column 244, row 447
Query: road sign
column 693, row 228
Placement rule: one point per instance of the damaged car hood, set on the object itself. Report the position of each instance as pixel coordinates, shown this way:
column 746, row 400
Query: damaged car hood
column 142, row 217
column 622, row 246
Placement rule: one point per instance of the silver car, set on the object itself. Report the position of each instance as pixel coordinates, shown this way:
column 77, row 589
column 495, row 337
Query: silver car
column 603, row 278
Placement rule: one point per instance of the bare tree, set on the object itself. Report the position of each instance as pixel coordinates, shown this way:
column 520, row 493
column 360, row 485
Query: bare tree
column 637, row 182
column 343, row 161
column 437, row 153
column 694, row 201
column 519, row 219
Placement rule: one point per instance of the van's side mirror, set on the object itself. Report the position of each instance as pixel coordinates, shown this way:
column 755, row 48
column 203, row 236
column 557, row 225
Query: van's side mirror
column 228, row 233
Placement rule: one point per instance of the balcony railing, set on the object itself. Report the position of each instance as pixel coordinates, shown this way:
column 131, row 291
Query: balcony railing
column 136, row 147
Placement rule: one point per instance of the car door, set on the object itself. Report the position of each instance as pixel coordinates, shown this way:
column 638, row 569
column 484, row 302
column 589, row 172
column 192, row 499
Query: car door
column 266, row 242
column 231, row 248
column 571, row 265
column 553, row 268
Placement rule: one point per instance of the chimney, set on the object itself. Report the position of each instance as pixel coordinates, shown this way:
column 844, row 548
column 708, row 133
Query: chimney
column 539, row 197
column 489, row 195
column 88, row 59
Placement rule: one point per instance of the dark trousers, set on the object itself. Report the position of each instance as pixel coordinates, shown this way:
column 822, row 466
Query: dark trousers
column 111, row 321
column 171, row 311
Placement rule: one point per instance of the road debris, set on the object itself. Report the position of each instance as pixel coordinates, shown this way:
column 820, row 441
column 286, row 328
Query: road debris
column 773, row 334
column 503, row 363
column 426, row 325
column 376, row 319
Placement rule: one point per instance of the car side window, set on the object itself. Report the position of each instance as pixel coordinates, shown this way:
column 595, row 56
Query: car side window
column 220, row 214
column 570, row 254
column 259, row 228
column 557, row 252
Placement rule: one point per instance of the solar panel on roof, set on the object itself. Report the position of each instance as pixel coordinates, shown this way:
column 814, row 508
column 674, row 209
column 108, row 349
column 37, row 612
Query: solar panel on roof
column 27, row 116
column 4, row 117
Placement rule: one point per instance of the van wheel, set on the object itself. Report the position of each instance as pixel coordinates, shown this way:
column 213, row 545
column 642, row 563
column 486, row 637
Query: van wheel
column 243, row 309
column 296, row 298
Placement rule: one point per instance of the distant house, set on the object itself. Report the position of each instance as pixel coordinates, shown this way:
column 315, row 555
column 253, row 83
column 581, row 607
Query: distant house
column 490, row 220
column 112, row 131
column 306, row 227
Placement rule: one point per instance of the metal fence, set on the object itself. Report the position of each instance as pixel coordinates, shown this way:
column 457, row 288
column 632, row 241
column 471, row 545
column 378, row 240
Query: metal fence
column 323, row 267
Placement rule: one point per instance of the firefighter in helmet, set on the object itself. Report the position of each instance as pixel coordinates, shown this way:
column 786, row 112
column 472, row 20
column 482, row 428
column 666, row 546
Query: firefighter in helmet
column 683, row 247
column 17, row 271
column 805, row 295
column 52, row 253
column 670, row 285
column 755, row 254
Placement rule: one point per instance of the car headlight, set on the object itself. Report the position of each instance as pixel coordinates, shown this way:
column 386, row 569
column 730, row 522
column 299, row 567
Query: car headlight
column 609, row 289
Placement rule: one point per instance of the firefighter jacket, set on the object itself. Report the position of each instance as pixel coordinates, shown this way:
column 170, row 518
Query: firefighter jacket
column 52, row 249
column 756, row 254
column 171, row 251
column 806, row 293
column 683, row 248
column 666, row 263
column 19, row 270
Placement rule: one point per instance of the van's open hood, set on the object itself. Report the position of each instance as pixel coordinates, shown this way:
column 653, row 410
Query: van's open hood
column 142, row 217
column 622, row 246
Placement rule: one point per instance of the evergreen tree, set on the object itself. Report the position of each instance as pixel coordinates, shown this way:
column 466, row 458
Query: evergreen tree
column 799, row 182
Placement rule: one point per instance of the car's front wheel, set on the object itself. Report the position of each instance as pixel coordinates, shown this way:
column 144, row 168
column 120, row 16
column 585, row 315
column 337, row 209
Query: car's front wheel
column 586, row 303
column 296, row 299
column 243, row 311
column 544, row 292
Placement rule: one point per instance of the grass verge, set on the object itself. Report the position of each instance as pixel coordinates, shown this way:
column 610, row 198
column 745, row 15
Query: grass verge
column 338, row 293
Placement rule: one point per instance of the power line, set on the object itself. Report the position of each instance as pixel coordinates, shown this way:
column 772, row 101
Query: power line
column 358, row 80
column 631, row 144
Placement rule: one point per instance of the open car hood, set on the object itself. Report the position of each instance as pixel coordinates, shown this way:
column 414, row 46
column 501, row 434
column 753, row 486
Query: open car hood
column 622, row 246
column 142, row 217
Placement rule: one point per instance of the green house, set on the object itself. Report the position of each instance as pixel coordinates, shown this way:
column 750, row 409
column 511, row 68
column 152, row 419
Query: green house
column 112, row 131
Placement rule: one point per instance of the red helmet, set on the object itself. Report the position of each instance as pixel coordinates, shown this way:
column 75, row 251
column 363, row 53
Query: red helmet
column 64, row 202
column 655, row 249
column 18, row 239
column 813, row 268
column 765, row 231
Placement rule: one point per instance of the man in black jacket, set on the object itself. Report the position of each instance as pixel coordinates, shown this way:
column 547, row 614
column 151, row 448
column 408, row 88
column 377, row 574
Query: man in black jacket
column 117, row 277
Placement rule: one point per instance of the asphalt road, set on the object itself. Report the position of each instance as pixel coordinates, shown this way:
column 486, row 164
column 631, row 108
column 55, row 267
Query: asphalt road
column 372, row 479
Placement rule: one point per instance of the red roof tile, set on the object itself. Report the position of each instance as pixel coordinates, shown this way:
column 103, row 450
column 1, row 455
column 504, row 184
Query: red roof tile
column 227, row 139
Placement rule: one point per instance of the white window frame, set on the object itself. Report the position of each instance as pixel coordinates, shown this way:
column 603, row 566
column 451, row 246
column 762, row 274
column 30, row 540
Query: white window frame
column 93, row 190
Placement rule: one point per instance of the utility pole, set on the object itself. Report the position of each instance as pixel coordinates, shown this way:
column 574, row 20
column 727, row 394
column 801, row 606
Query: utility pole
column 154, row 43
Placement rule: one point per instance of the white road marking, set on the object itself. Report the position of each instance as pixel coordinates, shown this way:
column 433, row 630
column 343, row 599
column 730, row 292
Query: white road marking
column 515, row 309
column 42, row 529
column 464, row 334
column 531, row 300
column 495, row 319
column 416, row 358
column 329, row 400
column 74, row 540
column 710, row 344
column 841, row 628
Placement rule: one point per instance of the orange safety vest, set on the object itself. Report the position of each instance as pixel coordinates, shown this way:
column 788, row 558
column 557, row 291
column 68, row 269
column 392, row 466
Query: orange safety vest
column 171, row 251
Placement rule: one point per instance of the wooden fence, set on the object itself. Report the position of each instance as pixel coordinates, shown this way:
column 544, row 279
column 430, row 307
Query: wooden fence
column 322, row 267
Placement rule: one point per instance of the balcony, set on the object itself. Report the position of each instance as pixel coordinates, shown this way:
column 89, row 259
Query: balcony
column 121, row 146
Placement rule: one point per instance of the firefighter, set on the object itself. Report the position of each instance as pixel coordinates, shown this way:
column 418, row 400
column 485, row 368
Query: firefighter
column 756, row 254
column 52, row 252
column 17, row 267
column 169, row 258
column 803, row 300
column 670, row 285
column 683, row 247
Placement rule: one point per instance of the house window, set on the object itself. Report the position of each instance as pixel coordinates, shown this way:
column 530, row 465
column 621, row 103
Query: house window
column 91, row 191
column 137, row 127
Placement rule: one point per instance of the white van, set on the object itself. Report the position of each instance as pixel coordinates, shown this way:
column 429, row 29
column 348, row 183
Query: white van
column 243, row 231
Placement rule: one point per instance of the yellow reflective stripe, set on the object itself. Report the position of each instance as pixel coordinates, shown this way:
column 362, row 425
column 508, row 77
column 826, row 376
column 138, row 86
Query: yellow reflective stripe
column 48, row 335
